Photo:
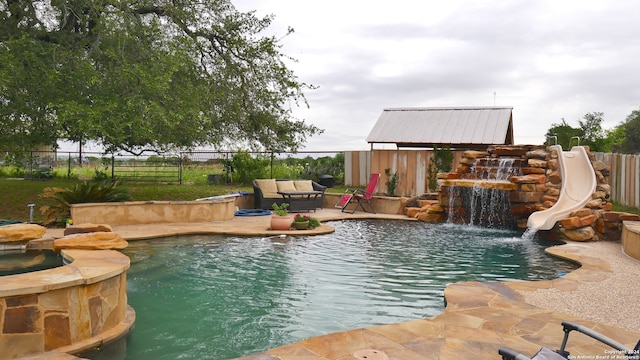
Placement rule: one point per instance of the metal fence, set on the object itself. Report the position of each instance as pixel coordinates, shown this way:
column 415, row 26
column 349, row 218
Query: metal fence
column 147, row 167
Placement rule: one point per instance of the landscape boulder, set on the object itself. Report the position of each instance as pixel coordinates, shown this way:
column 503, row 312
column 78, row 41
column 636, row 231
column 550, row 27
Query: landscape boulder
column 21, row 232
column 91, row 241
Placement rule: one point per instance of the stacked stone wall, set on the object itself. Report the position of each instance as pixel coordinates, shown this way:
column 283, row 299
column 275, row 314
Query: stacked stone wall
column 67, row 309
column 538, row 184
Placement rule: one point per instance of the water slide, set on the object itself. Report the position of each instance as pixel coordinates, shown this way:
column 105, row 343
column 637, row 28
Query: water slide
column 578, row 184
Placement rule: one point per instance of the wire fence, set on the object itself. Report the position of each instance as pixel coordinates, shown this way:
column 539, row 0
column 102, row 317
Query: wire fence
column 216, row 166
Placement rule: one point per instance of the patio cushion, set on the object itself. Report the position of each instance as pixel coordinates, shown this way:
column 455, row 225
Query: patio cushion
column 286, row 186
column 303, row 185
column 268, row 187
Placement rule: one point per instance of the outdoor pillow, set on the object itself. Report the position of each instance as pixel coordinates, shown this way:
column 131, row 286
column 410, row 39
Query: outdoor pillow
column 286, row 186
column 303, row 185
column 268, row 188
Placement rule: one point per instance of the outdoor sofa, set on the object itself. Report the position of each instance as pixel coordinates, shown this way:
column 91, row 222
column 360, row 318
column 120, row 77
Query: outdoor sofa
column 299, row 194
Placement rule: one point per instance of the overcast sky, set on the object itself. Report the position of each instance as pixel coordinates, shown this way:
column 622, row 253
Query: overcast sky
column 548, row 59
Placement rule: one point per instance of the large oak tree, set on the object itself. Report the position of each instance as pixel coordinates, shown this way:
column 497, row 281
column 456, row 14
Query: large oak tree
column 145, row 75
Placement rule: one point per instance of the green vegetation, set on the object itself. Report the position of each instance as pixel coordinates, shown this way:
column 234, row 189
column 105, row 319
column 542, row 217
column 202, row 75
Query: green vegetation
column 624, row 138
column 139, row 75
column 86, row 192
column 280, row 210
column 627, row 209
column 627, row 134
column 441, row 161
column 17, row 193
column 392, row 182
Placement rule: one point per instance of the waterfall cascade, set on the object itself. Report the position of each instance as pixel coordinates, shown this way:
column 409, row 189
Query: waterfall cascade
column 482, row 196
column 504, row 185
column 480, row 205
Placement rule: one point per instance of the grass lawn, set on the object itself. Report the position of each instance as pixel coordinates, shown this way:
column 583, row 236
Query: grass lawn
column 16, row 194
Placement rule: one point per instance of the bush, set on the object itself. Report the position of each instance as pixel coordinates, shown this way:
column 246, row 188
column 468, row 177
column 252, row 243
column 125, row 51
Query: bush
column 441, row 161
column 392, row 182
column 245, row 168
column 87, row 192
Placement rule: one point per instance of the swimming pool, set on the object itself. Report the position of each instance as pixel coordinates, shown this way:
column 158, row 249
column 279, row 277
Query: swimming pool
column 223, row 297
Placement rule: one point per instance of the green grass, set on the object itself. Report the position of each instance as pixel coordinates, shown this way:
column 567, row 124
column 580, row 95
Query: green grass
column 627, row 209
column 16, row 194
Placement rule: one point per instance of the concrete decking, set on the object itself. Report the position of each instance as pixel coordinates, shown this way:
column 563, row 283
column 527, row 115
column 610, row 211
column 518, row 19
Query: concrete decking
column 479, row 317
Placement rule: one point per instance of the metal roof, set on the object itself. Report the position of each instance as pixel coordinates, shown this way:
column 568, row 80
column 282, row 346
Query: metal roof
column 472, row 127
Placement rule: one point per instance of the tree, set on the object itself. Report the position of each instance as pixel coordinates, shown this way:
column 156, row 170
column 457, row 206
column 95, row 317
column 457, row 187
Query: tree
column 589, row 132
column 563, row 133
column 145, row 75
column 627, row 134
column 592, row 133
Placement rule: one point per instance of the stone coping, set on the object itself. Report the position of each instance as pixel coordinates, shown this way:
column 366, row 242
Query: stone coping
column 95, row 275
column 483, row 184
column 148, row 212
column 85, row 267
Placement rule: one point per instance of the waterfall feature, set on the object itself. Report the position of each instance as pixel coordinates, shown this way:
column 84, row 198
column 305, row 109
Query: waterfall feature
column 496, row 169
column 484, row 200
column 489, row 207
column 506, row 169
column 480, row 205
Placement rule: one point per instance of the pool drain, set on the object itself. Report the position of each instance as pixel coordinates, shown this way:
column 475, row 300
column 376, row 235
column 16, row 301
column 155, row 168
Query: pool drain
column 370, row 354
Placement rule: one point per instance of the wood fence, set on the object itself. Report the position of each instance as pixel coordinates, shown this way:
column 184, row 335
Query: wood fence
column 412, row 169
column 624, row 177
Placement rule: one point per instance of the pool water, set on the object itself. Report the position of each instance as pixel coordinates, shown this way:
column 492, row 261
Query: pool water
column 20, row 262
column 219, row 297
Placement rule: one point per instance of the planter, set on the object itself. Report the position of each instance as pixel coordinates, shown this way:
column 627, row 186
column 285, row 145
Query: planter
column 280, row 222
column 300, row 225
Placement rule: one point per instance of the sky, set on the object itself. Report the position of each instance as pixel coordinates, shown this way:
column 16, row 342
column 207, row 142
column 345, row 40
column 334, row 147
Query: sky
column 549, row 60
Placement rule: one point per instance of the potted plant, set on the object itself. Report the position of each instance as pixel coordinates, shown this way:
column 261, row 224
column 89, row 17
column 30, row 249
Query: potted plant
column 280, row 219
column 302, row 222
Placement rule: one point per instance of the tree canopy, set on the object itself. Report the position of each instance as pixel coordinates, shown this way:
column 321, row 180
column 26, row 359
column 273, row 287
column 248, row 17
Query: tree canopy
column 624, row 138
column 589, row 132
column 145, row 75
column 627, row 134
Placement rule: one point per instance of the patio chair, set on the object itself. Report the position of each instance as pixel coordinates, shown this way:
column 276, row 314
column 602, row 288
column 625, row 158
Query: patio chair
column 362, row 197
column 622, row 351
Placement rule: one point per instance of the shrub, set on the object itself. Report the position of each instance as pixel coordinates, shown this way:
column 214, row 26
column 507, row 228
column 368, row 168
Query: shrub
column 326, row 165
column 245, row 168
column 392, row 182
column 441, row 161
column 280, row 210
column 87, row 192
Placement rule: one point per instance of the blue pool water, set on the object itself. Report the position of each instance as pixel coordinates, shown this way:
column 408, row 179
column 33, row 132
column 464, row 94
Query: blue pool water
column 220, row 297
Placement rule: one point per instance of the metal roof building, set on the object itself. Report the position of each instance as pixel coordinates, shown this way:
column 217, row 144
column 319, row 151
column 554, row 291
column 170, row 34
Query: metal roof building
column 455, row 127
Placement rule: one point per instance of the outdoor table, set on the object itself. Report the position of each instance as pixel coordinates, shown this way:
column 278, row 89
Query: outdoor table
column 300, row 200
